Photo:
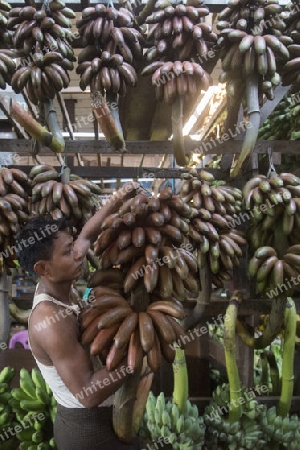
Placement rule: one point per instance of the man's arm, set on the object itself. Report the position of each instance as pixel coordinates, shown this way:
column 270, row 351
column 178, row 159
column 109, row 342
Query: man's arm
column 91, row 229
column 73, row 364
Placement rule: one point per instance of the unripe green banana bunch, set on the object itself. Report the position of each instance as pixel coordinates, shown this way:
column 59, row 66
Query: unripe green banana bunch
column 111, row 45
column 284, row 430
column 43, row 40
column 179, row 32
column 6, row 420
column 239, row 434
column 212, row 227
column 162, row 419
column 278, row 124
column 251, row 37
column 294, row 116
column 35, row 406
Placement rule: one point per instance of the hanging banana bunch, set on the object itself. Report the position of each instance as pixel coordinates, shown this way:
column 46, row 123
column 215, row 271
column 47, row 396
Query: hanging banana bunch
column 43, row 41
column 252, row 46
column 291, row 70
column 14, row 193
column 178, row 33
column 7, row 64
column 74, row 200
column 274, row 232
column 148, row 236
column 212, row 226
column 111, row 44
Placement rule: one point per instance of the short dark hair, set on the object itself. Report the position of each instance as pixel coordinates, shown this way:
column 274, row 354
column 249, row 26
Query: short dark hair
column 37, row 229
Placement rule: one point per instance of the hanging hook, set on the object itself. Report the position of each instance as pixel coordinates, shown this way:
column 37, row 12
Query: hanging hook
column 271, row 164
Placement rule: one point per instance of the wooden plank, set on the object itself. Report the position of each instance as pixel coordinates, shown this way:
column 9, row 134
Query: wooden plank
column 96, row 173
column 23, row 147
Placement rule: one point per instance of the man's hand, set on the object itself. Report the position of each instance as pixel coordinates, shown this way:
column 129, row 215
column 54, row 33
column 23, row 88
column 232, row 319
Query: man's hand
column 81, row 247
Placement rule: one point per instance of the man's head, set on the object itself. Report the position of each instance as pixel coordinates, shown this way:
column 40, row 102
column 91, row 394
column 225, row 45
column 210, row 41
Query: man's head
column 45, row 247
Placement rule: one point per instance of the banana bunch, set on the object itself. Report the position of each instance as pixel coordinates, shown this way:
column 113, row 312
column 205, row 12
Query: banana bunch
column 284, row 430
column 294, row 118
column 111, row 44
column 212, row 226
column 73, row 200
column 245, row 434
column 270, row 271
column 113, row 329
column 278, row 124
column 35, row 407
column 148, row 238
column 252, row 40
column 178, row 32
column 7, row 67
column 18, row 315
column 291, row 70
column 43, row 40
column 14, row 190
column 5, row 35
column 270, row 201
column 162, row 419
column 6, row 421
column 7, row 64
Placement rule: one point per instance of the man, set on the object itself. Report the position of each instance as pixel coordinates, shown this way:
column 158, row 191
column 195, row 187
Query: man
column 81, row 422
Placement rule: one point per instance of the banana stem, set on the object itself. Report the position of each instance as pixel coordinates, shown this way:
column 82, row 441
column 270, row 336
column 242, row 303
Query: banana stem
column 51, row 121
column 5, row 281
column 254, row 121
column 181, row 381
column 274, row 373
column 288, row 352
column 107, row 123
column 112, row 101
column 177, row 125
column 146, row 11
column 235, row 410
column 125, row 398
column 264, row 381
column 34, row 128
column 244, row 333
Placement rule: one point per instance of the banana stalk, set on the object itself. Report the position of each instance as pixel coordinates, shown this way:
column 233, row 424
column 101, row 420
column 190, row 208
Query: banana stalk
column 264, row 381
column 35, row 129
column 181, row 381
column 254, row 120
column 288, row 352
column 107, row 123
column 177, row 114
column 274, row 373
column 235, row 411
column 146, row 11
column 5, row 281
column 192, row 320
column 51, row 121
column 125, row 398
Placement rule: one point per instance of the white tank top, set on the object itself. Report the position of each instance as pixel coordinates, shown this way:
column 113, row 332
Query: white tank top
column 61, row 393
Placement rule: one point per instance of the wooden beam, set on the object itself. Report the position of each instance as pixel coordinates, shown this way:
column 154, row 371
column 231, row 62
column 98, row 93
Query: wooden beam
column 248, row 307
column 23, row 147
